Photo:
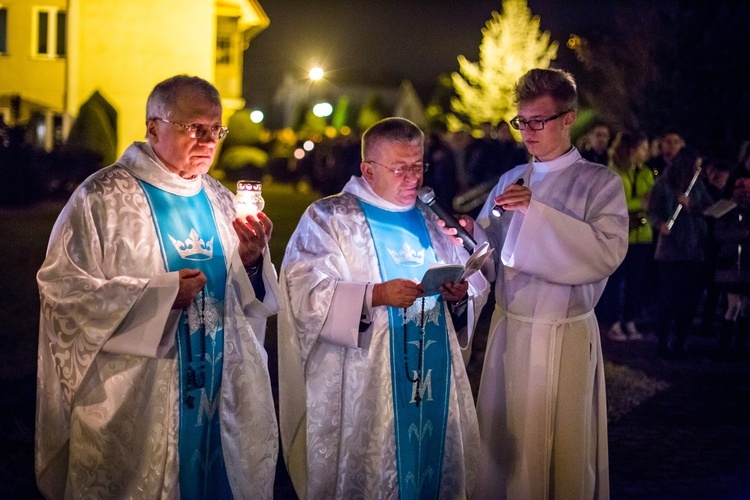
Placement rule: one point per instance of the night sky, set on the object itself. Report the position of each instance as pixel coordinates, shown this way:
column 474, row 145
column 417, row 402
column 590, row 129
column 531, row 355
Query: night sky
column 386, row 41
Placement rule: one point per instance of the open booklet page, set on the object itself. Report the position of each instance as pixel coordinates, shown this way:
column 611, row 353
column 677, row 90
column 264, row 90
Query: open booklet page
column 439, row 274
column 720, row 208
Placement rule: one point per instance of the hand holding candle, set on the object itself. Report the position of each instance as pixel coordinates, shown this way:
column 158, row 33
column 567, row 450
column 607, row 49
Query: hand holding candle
column 249, row 199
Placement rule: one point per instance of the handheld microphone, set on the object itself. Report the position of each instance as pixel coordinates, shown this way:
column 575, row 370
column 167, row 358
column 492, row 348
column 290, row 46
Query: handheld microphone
column 497, row 210
column 427, row 196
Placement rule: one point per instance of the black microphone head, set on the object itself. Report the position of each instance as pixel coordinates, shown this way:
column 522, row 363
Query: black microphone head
column 426, row 195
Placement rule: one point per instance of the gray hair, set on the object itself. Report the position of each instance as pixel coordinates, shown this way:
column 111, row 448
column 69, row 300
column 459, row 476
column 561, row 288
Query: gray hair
column 390, row 130
column 558, row 84
column 165, row 94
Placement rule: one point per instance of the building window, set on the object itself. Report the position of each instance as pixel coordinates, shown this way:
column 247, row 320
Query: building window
column 62, row 23
column 50, row 32
column 3, row 30
column 223, row 49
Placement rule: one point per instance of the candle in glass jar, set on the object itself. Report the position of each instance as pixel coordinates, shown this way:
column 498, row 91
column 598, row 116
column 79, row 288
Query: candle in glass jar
column 249, row 199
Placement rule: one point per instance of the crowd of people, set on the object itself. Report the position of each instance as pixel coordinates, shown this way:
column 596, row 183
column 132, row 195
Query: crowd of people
column 153, row 380
column 685, row 272
column 459, row 162
column 464, row 168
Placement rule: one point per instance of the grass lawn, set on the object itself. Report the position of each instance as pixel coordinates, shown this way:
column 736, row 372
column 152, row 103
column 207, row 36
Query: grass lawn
column 627, row 388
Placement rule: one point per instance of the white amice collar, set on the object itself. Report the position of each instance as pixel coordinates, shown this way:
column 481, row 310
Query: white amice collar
column 141, row 160
column 362, row 190
column 559, row 163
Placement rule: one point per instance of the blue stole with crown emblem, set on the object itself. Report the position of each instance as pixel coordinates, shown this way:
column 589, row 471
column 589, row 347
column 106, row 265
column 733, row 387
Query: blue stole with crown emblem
column 189, row 239
column 420, row 352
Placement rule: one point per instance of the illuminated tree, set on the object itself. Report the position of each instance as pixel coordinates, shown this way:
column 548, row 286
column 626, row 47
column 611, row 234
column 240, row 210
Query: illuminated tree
column 512, row 44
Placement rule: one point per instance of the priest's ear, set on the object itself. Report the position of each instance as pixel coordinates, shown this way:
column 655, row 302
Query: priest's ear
column 366, row 168
column 152, row 130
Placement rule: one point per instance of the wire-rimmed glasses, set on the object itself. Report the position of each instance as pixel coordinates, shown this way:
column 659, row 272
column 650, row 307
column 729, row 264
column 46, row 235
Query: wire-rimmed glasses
column 402, row 170
column 199, row 130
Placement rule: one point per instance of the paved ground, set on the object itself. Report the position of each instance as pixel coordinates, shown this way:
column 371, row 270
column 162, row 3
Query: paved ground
column 690, row 441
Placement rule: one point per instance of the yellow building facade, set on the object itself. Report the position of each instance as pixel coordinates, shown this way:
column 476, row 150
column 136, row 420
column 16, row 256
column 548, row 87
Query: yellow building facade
column 55, row 54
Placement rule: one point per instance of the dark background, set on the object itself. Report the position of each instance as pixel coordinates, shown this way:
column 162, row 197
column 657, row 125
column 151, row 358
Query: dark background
column 646, row 65
column 388, row 41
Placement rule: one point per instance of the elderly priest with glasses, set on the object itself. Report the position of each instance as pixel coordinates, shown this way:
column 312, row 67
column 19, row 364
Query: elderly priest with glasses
column 153, row 381
column 374, row 397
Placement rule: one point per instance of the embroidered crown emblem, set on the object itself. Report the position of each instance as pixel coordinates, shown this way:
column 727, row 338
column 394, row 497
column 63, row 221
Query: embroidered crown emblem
column 194, row 248
column 407, row 256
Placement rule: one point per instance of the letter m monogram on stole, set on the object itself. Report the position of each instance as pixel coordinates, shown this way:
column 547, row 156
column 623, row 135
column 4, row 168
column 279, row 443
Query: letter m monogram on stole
column 208, row 408
column 426, row 386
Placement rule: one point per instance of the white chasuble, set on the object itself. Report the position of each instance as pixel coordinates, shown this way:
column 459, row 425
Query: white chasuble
column 107, row 396
column 542, row 406
column 335, row 385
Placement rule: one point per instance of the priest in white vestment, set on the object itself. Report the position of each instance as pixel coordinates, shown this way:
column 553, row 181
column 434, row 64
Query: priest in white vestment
column 145, row 262
column 542, row 406
column 374, row 397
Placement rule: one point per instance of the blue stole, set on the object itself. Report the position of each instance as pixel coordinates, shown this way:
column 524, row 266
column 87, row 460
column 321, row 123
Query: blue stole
column 189, row 239
column 420, row 352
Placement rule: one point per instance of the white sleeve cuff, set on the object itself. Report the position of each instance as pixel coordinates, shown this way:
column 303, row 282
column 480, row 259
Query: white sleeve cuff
column 148, row 329
column 341, row 326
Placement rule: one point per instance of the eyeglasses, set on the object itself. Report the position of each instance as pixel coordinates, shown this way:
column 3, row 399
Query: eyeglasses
column 401, row 170
column 519, row 123
column 199, row 130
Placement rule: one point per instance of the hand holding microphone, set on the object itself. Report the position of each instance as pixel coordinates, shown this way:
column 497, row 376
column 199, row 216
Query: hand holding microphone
column 427, row 196
column 498, row 209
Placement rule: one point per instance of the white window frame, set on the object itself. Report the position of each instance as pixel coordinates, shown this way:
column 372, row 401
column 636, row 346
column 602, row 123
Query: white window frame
column 52, row 13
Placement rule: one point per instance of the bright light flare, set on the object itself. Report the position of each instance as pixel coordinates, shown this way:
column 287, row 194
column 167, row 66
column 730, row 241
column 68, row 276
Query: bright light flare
column 256, row 116
column 322, row 109
column 316, row 73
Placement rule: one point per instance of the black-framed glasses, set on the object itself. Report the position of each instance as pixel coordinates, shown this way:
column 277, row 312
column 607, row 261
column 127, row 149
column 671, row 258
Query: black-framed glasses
column 401, row 170
column 519, row 123
column 199, row 130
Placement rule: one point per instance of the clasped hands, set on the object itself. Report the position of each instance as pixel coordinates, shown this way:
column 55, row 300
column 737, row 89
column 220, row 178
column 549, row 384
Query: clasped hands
column 403, row 292
column 254, row 233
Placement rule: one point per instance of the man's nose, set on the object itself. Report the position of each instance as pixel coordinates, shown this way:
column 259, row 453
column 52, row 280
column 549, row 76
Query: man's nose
column 412, row 175
column 208, row 139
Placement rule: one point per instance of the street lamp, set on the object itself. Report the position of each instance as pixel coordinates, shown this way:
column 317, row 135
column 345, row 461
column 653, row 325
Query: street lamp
column 316, row 73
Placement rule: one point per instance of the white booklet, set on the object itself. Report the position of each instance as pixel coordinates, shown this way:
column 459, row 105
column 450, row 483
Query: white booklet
column 440, row 274
column 720, row 208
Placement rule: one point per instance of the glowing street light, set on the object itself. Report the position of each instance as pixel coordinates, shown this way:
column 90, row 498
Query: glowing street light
column 322, row 109
column 256, row 116
column 316, row 73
